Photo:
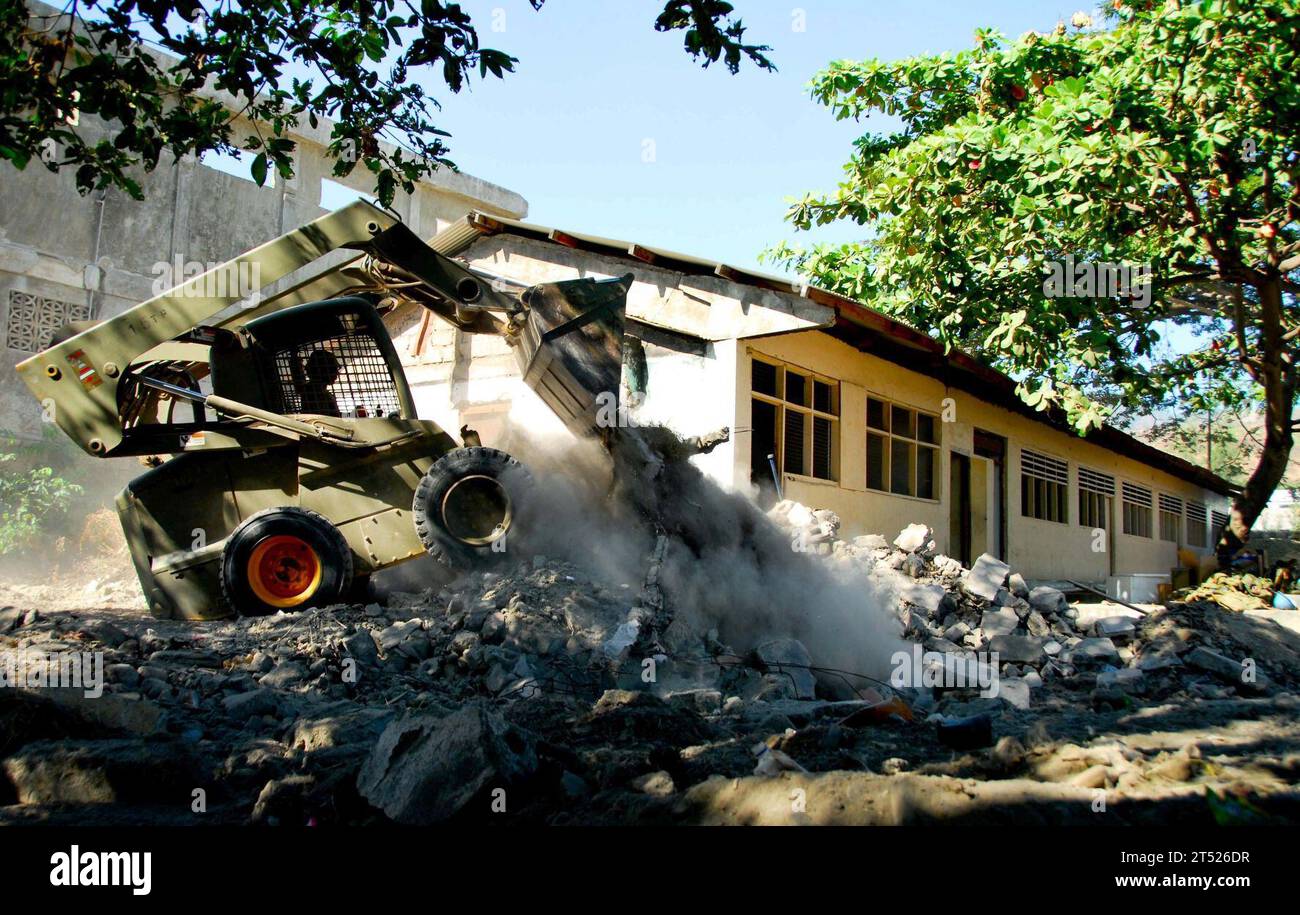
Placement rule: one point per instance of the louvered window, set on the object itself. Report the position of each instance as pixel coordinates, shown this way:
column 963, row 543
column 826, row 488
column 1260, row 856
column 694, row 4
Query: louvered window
column 798, row 414
column 1137, row 510
column 1044, row 483
column 1095, row 492
column 1196, row 519
column 1171, row 516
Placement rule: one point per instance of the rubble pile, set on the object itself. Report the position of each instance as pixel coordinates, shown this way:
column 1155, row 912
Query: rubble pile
column 966, row 616
column 541, row 691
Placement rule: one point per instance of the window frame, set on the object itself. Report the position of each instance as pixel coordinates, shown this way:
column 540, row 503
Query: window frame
column 810, row 413
column 913, row 443
column 1096, row 496
column 1169, row 512
column 1192, row 508
column 1218, row 520
column 1137, row 522
column 1061, row 503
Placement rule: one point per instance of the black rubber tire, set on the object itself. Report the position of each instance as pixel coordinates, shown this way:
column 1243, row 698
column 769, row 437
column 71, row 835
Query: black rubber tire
column 323, row 537
column 471, row 467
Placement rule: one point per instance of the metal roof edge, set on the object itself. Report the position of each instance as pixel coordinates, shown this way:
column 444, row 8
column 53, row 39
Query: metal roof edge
column 991, row 385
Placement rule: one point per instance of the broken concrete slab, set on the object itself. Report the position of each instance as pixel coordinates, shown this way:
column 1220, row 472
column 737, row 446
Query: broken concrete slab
column 1048, row 600
column 1116, row 627
column 362, row 648
column 1089, row 613
column 346, row 725
column 1091, row 653
column 986, row 577
column 1014, row 691
column 1242, row 674
column 425, row 770
column 789, row 658
column 914, row 537
column 998, row 622
column 1017, row 649
column 242, row 706
column 929, row 597
column 1129, row 679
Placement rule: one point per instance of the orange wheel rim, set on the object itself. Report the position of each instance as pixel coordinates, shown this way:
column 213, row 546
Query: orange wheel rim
column 284, row 571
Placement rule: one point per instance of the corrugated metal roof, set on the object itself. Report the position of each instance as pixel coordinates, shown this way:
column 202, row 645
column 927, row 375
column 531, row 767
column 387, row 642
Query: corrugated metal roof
column 857, row 324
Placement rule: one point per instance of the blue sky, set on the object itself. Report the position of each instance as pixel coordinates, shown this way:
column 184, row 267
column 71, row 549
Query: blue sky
column 595, row 85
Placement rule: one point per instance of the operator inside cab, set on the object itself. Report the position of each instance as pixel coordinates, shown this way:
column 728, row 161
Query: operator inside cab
column 312, row 383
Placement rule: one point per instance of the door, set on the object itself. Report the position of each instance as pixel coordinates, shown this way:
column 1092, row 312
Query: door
column 990, row 463
column 985, row 521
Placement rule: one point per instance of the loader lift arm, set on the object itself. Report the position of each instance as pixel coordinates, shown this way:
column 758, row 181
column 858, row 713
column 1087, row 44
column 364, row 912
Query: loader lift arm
column 567, row 336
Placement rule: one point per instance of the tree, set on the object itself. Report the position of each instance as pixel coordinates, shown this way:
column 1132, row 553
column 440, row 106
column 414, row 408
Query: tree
column 1033, row 184
column 142, row 64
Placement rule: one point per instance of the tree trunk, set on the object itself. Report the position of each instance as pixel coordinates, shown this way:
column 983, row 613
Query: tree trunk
column 1278, row 380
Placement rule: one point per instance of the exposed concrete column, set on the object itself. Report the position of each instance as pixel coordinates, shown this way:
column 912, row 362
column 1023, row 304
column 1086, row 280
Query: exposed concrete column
column 183, row 172
column 288, row 188
column 412, row 219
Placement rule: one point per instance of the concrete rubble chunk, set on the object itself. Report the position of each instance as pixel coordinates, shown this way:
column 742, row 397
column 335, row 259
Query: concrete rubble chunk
column 655, row 784
column 425, row 770
column 1094, row 652
column 395, row 634
column 1129, row 679
column 956, row 632
column 347, row 726
column 361, row 646
column 1048, row 601
column 986, row 577
column 914, row 538
column 1243, row 675
column 1088, row 614
column 11, row 616
column 284, row 675
column 242, row 706
column 1036, row 625
column 926, row 596
column 998, row 622
column 790, row 659
column 1017, row 649
column 1014, row 691
column 947, row 566
column 1159, row 659
column 1116, row 627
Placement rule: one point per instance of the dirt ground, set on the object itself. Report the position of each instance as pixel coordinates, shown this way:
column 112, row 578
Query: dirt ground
column 171, row 721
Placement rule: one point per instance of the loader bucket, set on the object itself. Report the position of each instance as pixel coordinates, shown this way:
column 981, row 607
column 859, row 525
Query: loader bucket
column 570, row 348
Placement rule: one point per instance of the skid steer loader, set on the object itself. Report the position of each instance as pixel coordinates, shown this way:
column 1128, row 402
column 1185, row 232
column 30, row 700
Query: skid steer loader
column 290, row 463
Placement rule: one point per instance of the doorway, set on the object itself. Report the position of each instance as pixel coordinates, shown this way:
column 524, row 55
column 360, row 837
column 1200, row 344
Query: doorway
column 985, row 522
column 959, row 519
column 988, row 495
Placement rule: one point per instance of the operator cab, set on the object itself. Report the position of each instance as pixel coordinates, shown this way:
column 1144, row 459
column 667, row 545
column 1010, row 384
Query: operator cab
column 331, row 359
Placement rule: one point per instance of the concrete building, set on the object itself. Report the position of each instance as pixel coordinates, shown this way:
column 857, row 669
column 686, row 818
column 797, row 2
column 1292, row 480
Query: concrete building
column 859, row 413
column 67, row 257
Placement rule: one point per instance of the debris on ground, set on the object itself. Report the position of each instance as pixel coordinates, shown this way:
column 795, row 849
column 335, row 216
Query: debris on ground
column 541, row 691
